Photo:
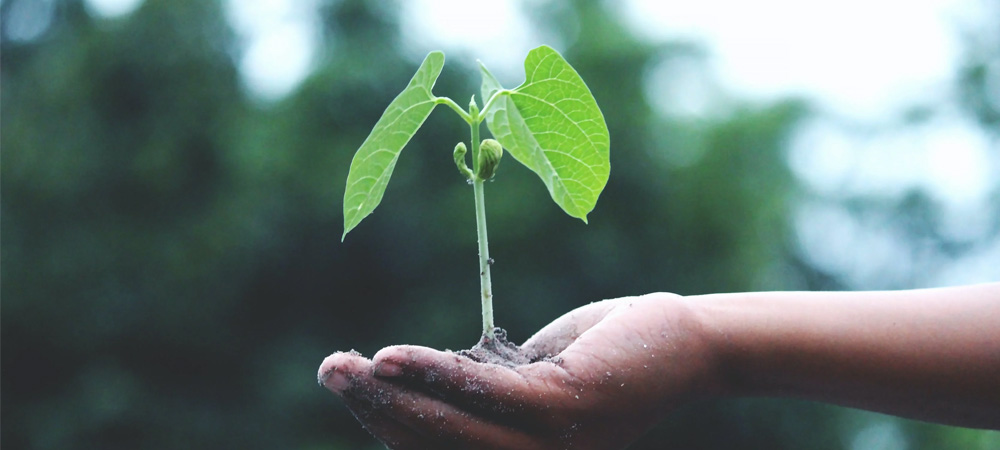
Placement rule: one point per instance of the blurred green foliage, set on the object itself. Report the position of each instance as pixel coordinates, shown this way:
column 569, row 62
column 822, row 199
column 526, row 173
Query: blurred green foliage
column 172, row 271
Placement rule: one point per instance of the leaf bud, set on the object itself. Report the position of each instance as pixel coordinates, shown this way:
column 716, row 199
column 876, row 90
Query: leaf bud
column 460, row 161
column 490, row 153
column 473, row 107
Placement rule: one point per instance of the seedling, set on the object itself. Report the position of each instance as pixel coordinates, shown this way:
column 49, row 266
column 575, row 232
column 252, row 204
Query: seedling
column 550, row 123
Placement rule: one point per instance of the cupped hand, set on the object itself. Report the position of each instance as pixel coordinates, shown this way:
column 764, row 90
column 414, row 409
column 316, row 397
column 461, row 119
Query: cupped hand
column 602, row 375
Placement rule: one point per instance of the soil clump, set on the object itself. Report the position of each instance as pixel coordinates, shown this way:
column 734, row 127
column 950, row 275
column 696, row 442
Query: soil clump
column 496, row 349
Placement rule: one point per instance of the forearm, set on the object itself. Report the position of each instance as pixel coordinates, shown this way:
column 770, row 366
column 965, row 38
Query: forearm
column 926, row 354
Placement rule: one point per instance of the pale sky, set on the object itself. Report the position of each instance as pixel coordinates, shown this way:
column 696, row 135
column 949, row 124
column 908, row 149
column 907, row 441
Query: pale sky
column 860, row 58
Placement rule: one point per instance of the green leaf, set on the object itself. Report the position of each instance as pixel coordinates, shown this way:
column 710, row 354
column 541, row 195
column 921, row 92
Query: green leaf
column 490, row 84
column 373, row 163
column 552, row 125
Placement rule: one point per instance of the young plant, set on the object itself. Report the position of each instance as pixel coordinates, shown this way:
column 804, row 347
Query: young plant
column 550, row 123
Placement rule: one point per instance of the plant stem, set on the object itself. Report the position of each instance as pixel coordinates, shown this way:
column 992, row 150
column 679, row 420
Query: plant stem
column 486, row 286
column 484, row 259
column 454, row 106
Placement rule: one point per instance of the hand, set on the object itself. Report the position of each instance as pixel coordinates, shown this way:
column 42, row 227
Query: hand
column 603, row 374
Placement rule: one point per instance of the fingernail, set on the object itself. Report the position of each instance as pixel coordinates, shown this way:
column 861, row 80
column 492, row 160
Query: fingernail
column 388, row 369
column 336, row 382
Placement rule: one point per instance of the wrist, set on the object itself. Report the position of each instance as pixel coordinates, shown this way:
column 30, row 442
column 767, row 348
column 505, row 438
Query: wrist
column 713, row 319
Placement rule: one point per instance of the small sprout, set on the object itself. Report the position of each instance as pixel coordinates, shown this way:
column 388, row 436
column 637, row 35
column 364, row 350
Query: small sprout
column 459, row 155
column 490, row 153
column 551, row 124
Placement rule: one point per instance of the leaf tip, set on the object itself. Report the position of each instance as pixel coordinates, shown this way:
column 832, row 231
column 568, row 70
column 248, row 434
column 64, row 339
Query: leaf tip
column 544, row 48
column 435, row 58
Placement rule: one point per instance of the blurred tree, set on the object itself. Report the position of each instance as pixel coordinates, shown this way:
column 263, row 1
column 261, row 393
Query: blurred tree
column 172, row 270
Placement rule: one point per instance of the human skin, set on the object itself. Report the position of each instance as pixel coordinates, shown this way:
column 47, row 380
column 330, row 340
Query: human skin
column 608, row 371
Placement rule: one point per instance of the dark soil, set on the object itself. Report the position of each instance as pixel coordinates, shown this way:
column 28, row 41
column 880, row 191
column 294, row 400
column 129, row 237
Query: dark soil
column 496, row 349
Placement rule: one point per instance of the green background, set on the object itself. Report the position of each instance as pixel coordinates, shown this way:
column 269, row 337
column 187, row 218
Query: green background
column 172, row 274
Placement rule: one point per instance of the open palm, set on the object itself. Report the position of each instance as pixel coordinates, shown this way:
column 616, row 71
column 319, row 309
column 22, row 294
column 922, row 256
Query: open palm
column 603, row 374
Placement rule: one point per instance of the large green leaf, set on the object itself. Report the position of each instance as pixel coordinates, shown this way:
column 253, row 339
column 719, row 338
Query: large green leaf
column 373, row 163
column 552, row 125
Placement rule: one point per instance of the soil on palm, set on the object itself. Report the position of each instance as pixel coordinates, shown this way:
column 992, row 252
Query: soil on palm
column 496, row 349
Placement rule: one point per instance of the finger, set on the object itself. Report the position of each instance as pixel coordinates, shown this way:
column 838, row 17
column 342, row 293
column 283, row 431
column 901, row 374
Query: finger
column 477, row 387
column 389, row 431
column 560, row 333
column 443, row 425
column 407, row 419
column 349, row 375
